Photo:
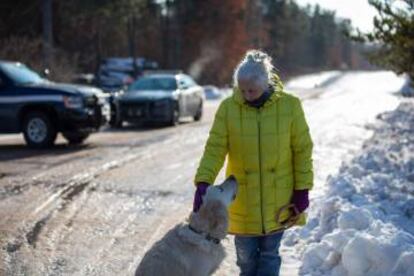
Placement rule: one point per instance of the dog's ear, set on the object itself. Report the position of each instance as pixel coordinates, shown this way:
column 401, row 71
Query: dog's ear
column 212, row 218
column 199, row 219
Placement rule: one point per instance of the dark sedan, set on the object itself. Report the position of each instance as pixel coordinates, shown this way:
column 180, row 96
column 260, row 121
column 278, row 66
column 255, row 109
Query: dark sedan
column 163, row 98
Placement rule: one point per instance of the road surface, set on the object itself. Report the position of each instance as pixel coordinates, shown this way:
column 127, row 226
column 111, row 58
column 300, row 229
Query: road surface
column 95, row 209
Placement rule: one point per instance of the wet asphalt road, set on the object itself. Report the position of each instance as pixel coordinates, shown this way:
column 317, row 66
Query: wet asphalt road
column 95, row 209
column 92, row 209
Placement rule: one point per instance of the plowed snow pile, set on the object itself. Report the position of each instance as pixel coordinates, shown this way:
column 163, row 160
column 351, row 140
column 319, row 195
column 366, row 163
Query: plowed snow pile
column 364, row 225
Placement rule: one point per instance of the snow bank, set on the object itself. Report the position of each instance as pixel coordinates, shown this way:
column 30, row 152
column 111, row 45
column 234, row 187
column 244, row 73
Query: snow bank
column 364, row 225
column 311, row 81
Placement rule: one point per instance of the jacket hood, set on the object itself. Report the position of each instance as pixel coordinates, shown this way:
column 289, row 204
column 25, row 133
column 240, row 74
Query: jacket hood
column 275, row 83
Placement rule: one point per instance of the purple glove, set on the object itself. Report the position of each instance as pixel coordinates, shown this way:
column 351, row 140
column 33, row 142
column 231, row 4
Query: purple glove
column 201, row 190
column 301, row 199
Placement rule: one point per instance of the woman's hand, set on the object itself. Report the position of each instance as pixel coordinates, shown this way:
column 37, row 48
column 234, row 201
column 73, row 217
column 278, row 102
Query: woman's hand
column 301, row 199
column 200, row 191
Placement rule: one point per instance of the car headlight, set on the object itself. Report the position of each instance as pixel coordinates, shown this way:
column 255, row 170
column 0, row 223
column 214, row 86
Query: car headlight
column 103, row 100
column 73, row 101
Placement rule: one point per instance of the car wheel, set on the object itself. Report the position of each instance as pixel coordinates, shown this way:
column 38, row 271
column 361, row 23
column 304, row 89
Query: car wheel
column 199, row 114
column 115, row 122
column 75, row 138
column 38, row 130
column 175, row 116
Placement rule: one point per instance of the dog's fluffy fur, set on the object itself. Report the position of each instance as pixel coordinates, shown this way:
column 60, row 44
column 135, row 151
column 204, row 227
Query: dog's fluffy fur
column 183, row 252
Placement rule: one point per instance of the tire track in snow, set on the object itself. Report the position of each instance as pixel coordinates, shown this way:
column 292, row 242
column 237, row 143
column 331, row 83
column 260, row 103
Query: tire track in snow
column 31, row 228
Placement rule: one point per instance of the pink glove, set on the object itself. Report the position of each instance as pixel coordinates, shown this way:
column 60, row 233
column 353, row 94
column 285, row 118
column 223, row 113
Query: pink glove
column 200, row 191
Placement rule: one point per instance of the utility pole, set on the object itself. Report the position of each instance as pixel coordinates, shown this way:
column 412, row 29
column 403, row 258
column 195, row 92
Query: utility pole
column 176, row 11
column 167, row 34
column 47, row 33
column 254, row 23
column 98, row 51
column 131, row 27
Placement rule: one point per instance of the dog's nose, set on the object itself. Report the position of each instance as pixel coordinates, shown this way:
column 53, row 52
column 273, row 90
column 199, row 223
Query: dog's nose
column 231, row 177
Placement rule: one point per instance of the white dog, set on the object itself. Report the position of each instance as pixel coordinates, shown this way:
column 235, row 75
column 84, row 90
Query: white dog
column 194, row 248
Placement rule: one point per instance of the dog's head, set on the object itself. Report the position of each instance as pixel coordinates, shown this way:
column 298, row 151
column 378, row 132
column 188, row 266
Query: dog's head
column 225, row 192
column 212, row 217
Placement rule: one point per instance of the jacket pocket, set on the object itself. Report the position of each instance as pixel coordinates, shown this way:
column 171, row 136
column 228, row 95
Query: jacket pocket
column 284, row 190
column 238, row 206
column 284, row 181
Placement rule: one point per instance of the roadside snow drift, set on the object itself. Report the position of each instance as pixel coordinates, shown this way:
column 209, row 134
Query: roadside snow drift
column 364, row 225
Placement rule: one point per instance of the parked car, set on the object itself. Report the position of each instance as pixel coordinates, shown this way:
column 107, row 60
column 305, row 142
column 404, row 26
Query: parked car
column 161, row 97
column 116, row 73
column 40, row 108
column 212, row 93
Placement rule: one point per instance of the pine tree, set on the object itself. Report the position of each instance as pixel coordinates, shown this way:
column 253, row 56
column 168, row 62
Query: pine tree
column 394, row 31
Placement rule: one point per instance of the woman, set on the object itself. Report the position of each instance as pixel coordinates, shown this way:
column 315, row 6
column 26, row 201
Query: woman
column 264, row 132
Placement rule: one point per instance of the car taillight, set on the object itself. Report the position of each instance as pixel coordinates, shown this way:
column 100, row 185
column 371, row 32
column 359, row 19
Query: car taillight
column 128, row 80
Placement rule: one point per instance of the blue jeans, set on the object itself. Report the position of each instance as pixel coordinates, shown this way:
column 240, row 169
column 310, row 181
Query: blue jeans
column 258, row 256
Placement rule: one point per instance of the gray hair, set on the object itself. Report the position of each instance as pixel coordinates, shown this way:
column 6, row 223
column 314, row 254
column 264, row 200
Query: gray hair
column 256, row 66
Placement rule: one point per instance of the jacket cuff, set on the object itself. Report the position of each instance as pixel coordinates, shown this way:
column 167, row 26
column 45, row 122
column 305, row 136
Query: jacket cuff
column 202, row 183
column 201, row 180
column 303, row 186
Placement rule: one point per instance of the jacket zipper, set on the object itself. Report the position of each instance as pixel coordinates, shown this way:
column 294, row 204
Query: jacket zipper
column 260, row 173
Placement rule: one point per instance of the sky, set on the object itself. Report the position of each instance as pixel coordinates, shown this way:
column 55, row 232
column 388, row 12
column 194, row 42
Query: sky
column 359, row 11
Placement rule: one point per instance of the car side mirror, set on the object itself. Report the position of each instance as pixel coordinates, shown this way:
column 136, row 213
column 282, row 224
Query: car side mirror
column 46, row 73
column 182, row 85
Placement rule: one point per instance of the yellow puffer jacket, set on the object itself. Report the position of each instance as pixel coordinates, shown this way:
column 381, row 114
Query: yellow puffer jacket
column 269, row 152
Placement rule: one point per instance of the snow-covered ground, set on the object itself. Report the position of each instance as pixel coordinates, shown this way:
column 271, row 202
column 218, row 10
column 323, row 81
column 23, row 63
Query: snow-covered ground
column 361, row 217
column 94, row 210
column 338, row 116
column 312, row 81
column 364, row 224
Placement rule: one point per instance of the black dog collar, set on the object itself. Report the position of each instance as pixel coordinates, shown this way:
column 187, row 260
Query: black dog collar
column 205, row 235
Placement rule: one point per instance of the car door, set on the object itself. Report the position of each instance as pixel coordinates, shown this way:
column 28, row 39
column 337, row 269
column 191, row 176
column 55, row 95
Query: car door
column 183, row 87
column 8, row 110
column 193, row 96
column 198, row 94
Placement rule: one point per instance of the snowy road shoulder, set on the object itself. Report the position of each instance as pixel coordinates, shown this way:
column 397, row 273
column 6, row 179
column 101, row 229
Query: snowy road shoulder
column 364, row 225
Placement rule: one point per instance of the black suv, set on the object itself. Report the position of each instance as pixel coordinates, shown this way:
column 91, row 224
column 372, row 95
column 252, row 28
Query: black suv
column 40, row 108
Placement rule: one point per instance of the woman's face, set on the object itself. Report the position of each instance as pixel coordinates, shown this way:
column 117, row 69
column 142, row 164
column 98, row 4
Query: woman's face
column 250, row 90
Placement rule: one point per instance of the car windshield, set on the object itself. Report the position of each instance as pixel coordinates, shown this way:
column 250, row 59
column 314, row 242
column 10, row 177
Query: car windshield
column 154, row 84
column 20, row 74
